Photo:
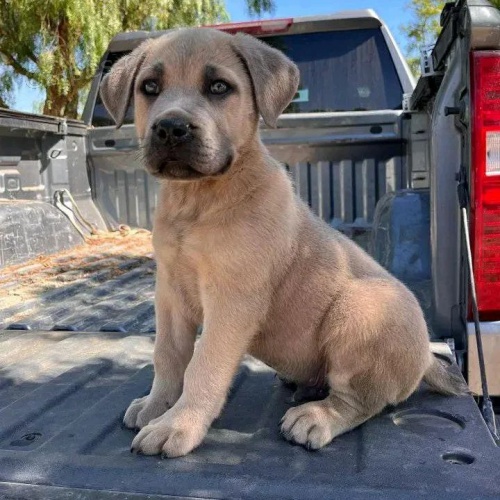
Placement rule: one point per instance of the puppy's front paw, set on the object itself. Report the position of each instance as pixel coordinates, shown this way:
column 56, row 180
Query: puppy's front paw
column 308, row 425
column 174, row 434
column 142, row 410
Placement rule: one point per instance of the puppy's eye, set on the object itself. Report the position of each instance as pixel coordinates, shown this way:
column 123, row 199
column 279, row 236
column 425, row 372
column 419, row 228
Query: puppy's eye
column 219, row 87
column 150, row 87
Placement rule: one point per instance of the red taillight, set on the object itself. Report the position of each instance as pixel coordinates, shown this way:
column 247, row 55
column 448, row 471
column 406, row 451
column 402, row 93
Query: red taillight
column 485, row 180
column 256, row 27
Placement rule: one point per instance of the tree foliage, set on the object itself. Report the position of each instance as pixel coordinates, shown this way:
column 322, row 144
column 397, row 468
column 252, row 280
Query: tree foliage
column 56, row 45
column 424, row 27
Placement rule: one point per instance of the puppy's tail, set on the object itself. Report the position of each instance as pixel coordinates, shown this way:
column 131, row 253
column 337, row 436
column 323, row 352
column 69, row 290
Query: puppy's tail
column 443, row 380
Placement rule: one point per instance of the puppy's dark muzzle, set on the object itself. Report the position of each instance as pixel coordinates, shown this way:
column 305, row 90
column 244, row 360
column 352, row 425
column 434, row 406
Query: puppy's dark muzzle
column 172, row 132
column 176, row 150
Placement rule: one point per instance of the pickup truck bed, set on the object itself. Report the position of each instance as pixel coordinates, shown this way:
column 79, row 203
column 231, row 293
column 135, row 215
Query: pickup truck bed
column 63, row 394
column 106, row 284
column 86, row 352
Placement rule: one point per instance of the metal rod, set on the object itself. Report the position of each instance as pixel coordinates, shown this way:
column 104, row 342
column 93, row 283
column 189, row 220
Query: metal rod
column 487, row 407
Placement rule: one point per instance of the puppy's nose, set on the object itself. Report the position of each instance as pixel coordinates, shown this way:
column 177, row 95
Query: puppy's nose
column 172, row 130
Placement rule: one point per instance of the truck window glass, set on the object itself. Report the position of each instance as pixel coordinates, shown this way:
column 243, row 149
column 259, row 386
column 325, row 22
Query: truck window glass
column 348, row 70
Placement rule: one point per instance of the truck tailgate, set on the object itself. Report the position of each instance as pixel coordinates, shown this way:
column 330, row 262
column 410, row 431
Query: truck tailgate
column 341, row 165
column 63, row 394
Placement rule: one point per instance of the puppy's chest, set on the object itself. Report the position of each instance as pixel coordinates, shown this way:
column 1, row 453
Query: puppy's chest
column 175, row 244
column 177, row 250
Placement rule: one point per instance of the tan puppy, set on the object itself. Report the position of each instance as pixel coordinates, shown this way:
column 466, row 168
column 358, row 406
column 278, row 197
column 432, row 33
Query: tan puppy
column 239, row 252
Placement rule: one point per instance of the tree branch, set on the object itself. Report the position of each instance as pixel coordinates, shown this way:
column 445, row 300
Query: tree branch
column 3, row 104
column 31, row 56
column 29, row 53
column 18, row 68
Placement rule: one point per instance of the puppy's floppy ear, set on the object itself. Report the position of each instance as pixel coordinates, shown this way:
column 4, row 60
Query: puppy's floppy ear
column 117, row 86
column 274, row 77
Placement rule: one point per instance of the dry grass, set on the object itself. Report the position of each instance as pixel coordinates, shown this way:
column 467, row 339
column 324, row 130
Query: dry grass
column 104, row 255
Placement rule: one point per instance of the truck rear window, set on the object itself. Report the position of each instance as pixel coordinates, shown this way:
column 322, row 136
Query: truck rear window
column 348, row 70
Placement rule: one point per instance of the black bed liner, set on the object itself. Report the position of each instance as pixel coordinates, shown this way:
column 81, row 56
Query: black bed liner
column 63, row 394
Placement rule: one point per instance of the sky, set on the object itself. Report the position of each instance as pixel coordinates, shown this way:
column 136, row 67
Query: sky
column 393, row 12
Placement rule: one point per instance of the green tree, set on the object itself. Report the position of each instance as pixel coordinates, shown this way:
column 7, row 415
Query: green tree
column 6, row 87
column 56, row 45
column 424, row 27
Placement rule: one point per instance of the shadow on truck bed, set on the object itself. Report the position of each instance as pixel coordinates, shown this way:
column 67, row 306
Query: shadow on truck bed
column 63, row 394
